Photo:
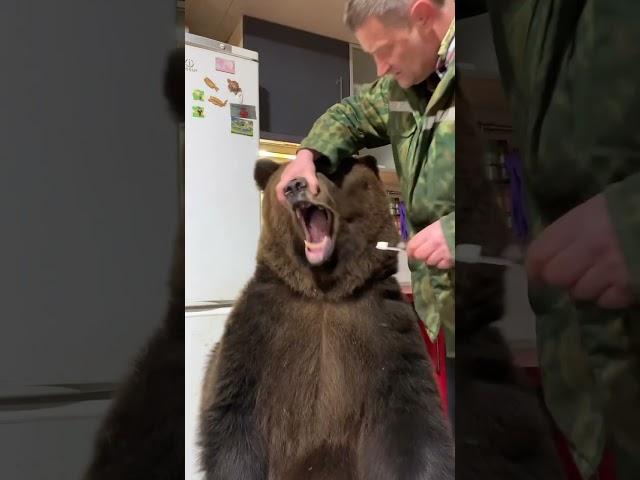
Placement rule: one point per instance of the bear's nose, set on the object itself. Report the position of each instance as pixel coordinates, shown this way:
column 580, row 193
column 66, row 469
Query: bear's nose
column 295, row 186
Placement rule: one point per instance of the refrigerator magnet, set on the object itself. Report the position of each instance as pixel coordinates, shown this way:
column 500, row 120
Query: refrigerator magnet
column 234, row 87
column 217, row 102
column 198, row 95
column 243, row 111
column 236, row 90
column 197, row 111
column 211, row 84
column 225, row 65
column 242, row 126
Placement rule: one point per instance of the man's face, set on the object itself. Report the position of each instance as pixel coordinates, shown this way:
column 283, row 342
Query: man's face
column 408, row 53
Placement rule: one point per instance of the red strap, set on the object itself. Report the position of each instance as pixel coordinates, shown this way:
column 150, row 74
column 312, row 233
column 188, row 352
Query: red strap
column 437, row 353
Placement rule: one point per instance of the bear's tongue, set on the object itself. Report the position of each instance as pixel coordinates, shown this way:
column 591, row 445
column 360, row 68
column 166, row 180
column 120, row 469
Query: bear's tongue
column 319, row 245
column 318, row 226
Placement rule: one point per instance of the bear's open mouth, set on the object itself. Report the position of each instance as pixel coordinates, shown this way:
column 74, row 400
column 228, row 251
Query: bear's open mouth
column 317, row 224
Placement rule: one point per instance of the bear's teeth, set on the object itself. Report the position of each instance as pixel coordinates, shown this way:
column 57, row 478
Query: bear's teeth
column 315, row 245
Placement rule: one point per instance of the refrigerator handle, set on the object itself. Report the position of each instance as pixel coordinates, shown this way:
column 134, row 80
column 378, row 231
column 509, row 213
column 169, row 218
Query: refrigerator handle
column 58, row 397
column 209, row 305
column 339, row 82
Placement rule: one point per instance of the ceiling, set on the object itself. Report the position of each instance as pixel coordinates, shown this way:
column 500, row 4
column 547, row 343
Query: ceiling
column 217, row 19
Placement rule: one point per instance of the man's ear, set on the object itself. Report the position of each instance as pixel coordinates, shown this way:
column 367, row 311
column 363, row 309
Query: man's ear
column 423, row 12
column 263, row 170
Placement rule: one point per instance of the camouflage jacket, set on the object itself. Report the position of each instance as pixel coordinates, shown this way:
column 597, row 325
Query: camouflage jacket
column 567, row 71
column 419, row 124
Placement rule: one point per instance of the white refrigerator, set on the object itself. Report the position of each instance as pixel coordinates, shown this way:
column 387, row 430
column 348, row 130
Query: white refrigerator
column 222, row 203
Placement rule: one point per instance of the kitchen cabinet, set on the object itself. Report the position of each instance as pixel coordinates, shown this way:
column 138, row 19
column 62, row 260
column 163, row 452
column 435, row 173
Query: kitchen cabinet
column 301, row 75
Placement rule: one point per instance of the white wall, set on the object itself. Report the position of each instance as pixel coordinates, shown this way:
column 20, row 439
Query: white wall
column 384, row 156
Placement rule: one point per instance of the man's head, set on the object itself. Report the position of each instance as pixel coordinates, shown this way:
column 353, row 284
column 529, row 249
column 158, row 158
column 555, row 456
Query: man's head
column 403, row 36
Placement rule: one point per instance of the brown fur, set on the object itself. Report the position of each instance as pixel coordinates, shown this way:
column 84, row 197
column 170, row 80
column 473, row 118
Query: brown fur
column 321, row 372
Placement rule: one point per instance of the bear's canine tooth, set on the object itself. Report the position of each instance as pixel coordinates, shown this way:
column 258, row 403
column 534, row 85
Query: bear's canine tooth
column 317, row 244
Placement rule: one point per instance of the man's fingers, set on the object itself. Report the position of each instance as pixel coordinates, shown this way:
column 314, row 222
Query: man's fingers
column 417, row 241
column 567, row 266
column 284, row 179
column 280, row 192
column 445, row 264
column 601, row 285
column 312, row 182
column 556, row 238
column 592, row 283
column 615, row 298
column 435, row 257
column 424, row 251
column 579, row 252
column 412, row 245
column 440, row 258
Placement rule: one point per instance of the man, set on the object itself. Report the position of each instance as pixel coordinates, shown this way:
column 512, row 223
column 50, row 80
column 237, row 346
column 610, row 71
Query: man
column 573, row 92
column 410, row 106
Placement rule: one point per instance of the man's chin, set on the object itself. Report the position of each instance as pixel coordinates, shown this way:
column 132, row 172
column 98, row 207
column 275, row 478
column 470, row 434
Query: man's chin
column 405, row 82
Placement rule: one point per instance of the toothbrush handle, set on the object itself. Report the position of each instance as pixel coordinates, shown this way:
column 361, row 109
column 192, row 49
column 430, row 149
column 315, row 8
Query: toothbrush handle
column 496, row 261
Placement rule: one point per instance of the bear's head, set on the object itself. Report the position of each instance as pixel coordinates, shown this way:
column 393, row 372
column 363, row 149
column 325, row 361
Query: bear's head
column 324, row 246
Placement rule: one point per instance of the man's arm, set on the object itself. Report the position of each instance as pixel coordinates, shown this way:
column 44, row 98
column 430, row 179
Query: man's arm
column 359, row 121
column 448, row 225
column 623, row 204
column 356, row 122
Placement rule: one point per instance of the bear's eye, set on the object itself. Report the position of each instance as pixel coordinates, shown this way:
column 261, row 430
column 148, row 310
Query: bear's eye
column 363, row 185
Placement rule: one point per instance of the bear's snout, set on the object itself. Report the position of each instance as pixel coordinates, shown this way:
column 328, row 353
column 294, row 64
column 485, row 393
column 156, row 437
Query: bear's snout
column 296, row 191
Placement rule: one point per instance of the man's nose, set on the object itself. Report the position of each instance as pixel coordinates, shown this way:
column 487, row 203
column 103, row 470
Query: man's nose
column 382, row 68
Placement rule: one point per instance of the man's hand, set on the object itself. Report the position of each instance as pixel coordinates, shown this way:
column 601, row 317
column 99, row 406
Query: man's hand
column 430, row 246
column 580, row 252
column 301, row 166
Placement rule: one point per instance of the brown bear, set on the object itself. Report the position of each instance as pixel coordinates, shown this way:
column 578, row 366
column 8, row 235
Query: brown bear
column 321, row 372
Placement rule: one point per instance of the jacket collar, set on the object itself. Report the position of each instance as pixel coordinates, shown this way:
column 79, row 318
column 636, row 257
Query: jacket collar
column 447, row 51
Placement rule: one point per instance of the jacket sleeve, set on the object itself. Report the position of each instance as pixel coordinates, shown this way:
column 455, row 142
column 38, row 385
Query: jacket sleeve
column 359, row 121
column 623, row 202
column 448, row 224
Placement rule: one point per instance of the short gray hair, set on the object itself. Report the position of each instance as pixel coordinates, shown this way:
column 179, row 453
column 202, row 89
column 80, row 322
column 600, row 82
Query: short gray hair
column 356, row 12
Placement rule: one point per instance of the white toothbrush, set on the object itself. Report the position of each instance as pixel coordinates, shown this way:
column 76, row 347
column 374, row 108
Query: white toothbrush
column 400, row 247
column 465, row 252
column 469, row 253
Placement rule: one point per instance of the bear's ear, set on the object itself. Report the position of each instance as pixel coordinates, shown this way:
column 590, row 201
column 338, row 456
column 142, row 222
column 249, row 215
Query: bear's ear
column 370, row 162
column 263, row 170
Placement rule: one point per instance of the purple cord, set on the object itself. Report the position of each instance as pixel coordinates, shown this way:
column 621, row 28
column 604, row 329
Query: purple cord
column 404, row 230
column 513, row 165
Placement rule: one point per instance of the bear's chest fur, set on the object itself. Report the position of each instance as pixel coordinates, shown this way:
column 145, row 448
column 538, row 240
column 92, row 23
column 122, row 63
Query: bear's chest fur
column 323, row 364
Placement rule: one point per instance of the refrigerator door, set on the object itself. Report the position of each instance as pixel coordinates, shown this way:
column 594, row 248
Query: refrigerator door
column 203, row 330
column 222, row 203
